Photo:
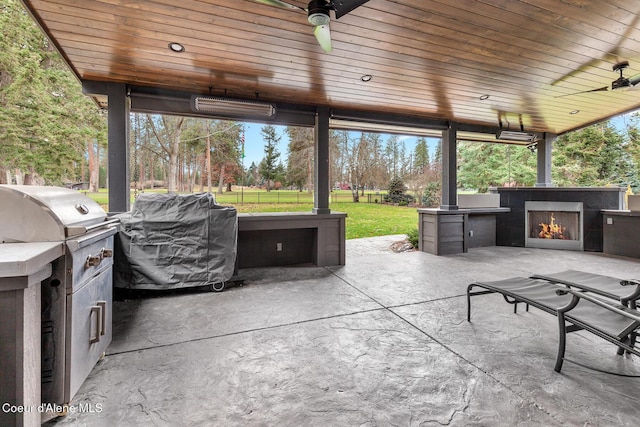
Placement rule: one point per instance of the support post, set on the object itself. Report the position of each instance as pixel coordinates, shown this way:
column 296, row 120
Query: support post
column 321, row 151
column 544, row 161
column 449, row 168
column 118, row 138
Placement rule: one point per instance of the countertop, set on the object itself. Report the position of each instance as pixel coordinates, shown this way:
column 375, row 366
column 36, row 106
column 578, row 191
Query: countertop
column 24, row 259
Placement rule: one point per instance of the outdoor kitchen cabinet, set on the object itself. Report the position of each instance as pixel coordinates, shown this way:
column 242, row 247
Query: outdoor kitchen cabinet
column 23, row 267
column 621, row 232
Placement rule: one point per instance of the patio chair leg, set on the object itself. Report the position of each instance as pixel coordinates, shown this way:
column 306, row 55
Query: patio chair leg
column 631, row 338
column 634, row 335
column 469, row 302
column 562, row 342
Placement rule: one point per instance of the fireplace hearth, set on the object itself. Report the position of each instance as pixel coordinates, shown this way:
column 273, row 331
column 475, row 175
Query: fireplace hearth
column 554, row 225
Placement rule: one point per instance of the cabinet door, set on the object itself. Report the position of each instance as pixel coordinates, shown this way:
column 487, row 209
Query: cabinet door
column 89, row 318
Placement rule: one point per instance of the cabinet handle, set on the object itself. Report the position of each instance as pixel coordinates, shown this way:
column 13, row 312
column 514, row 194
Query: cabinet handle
column 103, row 317
column 98, row 311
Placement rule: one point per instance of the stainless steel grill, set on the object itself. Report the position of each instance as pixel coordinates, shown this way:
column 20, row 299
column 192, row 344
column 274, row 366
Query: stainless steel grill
column 77, row 298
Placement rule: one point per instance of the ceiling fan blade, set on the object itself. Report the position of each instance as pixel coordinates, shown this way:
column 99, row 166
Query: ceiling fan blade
column 342, row 7
column 323, row 35
column 279, row 3
column 581, row 69
column 600, row 89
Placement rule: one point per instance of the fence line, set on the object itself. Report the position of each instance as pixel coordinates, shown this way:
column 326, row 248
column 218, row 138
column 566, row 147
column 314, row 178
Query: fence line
column 283, row 197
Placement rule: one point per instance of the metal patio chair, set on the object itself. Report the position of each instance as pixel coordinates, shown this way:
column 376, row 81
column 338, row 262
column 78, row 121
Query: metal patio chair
column 576, row 310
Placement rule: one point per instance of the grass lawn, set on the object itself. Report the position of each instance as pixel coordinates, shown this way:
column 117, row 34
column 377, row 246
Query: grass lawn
column 363, row 219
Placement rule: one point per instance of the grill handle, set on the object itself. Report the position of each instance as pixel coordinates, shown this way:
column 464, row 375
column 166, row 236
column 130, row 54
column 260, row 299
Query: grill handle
column 83, row 229
column 103, row 316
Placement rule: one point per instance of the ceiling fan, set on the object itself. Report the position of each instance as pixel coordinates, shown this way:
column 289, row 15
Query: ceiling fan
column 621, row 83
column 318, row 15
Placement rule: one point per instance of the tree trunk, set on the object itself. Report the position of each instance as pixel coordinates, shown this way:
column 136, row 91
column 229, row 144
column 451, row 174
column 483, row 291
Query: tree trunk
column 94, row 170
column 152, row 172
column 221, row 179
column 19, row 180
column 142, row 173
column 172, row 178
column 310, row 172
column 202, row 173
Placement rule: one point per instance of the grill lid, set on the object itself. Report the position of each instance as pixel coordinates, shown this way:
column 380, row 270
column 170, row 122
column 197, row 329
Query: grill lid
column 31, row 213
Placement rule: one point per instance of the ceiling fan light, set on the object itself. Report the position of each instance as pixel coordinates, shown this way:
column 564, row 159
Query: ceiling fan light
column 318, row 18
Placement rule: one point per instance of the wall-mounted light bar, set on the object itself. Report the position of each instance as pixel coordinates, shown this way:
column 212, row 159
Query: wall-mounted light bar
column 232, row 107
column 516, row 135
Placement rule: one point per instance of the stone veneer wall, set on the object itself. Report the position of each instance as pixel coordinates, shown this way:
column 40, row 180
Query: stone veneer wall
column 510, row 226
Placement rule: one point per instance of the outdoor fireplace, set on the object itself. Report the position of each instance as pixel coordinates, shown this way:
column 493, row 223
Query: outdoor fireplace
column 554, row 225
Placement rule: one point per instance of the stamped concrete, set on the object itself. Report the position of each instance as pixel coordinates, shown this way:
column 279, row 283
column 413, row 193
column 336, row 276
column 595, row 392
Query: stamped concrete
column 380, row 341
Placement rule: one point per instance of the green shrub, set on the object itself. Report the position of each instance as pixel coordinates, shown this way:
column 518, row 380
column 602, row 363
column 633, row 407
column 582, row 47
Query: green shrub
column 396, row 186
column 413, row 237
column 400, row 199
column 396, row 193
column 431, row 195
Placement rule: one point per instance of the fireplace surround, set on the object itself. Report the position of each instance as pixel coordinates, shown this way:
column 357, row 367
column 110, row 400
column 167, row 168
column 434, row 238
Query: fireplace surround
column 510, row 229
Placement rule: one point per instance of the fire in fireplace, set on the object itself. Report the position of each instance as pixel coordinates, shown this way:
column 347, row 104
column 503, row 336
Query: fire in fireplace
column 553, row 225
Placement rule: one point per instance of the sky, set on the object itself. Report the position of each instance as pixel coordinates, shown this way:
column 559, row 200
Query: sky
column 254, row 143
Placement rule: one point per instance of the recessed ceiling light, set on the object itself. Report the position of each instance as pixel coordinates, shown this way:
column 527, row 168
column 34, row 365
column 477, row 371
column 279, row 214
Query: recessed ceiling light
column 574, row 112
column 366, row 78
column 176, row 47
column 483, row 97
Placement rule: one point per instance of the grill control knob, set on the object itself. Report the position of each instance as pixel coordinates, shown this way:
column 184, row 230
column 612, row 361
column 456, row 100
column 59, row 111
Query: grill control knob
column 82, row 208
column 92, row 261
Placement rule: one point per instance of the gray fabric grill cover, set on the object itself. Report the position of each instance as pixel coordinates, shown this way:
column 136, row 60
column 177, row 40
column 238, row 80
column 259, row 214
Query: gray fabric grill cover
column 171, row 241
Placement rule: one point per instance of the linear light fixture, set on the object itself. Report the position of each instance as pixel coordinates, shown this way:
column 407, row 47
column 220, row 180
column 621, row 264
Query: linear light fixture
column 383, row 128
column 513, row 135
column 232, row 107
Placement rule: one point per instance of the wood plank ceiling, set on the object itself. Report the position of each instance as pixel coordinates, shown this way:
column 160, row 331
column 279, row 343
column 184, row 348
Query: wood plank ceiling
column 431, row 59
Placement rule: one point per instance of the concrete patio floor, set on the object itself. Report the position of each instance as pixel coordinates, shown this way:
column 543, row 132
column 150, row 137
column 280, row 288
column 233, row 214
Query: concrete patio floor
column 381, row 341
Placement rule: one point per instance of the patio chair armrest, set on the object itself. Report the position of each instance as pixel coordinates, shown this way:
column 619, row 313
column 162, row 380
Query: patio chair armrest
column 635, row 295
column 630, row 313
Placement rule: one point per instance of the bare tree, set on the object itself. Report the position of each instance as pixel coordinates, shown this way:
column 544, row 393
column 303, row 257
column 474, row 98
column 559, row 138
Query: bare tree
column 167, row 131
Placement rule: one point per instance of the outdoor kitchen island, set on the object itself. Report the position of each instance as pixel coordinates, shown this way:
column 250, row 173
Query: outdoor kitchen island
column 511, row 216
column 291, row 238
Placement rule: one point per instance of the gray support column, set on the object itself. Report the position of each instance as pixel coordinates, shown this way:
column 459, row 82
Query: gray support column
column 321, row 151
column 449, row 168
column 118, row 128
column 544, row 161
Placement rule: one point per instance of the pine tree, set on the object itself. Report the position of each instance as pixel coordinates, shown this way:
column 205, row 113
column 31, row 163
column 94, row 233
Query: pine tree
column 421, row 156
column 268, row 165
